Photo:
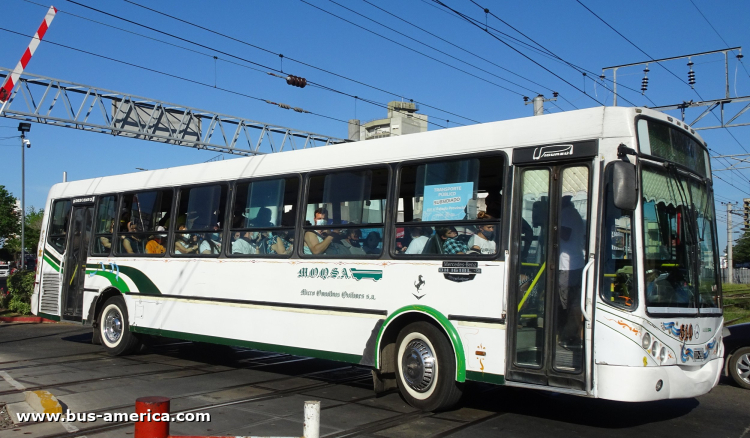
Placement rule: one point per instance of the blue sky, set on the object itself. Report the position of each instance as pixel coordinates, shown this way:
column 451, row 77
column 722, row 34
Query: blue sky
column 310, row 35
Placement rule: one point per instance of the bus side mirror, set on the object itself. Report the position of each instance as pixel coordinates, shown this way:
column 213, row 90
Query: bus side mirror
column 624, row 185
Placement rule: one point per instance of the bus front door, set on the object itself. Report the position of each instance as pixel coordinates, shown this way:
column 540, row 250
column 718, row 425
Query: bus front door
column 75, row 263
column 545, row 322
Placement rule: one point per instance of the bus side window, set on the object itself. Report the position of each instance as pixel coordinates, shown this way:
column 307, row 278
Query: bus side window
column 58, row 228
column 104, row 226
column 345, row 213
column 263, row 218
column 450, row 208
column 618, row 285
column 144, row 221
column 199, row 224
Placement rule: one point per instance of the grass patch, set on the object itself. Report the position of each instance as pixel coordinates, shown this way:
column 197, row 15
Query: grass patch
column 736, row 303
column 6, row 312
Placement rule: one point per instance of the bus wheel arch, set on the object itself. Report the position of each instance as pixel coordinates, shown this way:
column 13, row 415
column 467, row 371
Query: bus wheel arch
column 386, row 346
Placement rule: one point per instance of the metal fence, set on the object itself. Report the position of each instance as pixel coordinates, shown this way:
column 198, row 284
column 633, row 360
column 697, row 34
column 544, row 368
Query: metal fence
column 741, row 276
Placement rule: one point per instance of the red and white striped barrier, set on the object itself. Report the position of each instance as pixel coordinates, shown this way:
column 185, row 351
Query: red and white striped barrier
column 12, row 79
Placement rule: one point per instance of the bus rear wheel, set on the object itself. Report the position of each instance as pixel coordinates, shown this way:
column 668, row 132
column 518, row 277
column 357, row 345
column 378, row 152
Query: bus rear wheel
column 114, row 330
column 426, row 368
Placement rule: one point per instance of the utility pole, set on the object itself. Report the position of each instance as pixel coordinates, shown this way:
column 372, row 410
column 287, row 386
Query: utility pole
column 539, row 103
column 23, row 128
column 730, row 271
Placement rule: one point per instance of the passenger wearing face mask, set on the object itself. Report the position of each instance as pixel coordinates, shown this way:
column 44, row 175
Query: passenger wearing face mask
column 484, row 240
column 352, row 242
column 314, row 242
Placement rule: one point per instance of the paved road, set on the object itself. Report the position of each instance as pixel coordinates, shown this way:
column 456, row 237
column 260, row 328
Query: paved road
column 251, row 392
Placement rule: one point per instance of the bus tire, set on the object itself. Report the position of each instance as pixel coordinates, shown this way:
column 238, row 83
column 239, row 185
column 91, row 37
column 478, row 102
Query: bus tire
column 426, row 368
column 739, row 363
column 114, row 330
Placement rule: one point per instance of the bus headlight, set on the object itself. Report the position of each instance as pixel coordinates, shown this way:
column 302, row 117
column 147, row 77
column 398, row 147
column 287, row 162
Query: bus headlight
column 663, row 354
column 654, row 349
column 646, row 342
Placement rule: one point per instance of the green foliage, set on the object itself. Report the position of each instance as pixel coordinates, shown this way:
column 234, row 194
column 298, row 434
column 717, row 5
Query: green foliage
column 33, row 229
column 21, row 287
column 10, row 222
column 741, row 251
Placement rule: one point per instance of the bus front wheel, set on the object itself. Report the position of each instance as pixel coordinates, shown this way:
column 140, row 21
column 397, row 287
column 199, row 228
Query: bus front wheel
column 114, row 330
column 426, row 368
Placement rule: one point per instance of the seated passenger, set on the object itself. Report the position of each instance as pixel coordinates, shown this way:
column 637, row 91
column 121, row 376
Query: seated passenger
column 371, row 243
column 484, row 241
column 451, row 244
column 183, row 244
column 154, row 246
column 263, row 219
column 351, row 242
column 105, row 243
column 130, row 244
column 419, row 238
column 243, row 244
column 208, row 245
column 279, row 244
column 314, row 242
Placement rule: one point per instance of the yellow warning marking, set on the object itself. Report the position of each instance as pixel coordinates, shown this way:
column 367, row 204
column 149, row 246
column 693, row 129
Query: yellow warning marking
column 645, row 361
column 47, row 403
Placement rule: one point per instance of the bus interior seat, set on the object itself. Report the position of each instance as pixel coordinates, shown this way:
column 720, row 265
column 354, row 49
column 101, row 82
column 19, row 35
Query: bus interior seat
column 433, row 245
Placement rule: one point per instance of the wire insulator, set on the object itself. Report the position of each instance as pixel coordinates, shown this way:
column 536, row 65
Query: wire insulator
column 296, row 81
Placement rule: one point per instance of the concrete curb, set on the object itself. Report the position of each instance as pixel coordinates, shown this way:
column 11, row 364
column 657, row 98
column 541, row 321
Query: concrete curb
column 43, row 402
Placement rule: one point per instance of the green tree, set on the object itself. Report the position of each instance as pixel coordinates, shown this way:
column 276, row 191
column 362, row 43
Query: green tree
column 32, row 232
column 741, row 250
column 10, row 218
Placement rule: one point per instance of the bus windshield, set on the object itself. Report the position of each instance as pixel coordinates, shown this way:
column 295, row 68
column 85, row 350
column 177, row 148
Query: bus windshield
column 680, row 242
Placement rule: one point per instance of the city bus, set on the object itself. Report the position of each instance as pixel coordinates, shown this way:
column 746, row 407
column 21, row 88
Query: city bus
column 574, row 252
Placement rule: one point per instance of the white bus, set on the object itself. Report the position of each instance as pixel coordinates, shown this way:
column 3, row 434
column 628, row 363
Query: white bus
column 573, row 252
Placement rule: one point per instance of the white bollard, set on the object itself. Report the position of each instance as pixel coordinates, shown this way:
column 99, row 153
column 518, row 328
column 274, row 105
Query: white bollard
column 311, row 428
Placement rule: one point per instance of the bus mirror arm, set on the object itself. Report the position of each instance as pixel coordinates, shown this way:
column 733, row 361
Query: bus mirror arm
column 584, row 287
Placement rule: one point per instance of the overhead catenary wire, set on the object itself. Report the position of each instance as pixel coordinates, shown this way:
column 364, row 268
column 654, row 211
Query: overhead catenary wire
column 193, row 81
column 422, row 43
column 412, row 49
column 719, row 35
column 400, row 95
column 662, row 66
column 554, row 55
column 456, row 45
column 517, row 51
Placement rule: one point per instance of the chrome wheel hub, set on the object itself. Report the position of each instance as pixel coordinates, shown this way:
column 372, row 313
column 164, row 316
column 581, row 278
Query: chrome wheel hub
column 418, row 365
column 112, row 326
column 743, row 367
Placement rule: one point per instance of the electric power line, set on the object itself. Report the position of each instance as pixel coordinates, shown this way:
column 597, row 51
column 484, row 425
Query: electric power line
column 271, row 52
column 516, row 50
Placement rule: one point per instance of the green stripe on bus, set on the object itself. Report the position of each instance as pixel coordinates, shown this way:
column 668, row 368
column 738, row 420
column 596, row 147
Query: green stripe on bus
column 321, row 354
column 458, row 346
column 48, row 316
column 142, row 282
column 116, row 281
column 51, row 256
column 51, row 263
column 497, row 379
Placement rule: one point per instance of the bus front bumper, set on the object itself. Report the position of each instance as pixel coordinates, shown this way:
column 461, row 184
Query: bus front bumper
column 636, row 384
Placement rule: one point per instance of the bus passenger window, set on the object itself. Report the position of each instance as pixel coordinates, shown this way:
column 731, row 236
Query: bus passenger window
column 618, row 282
column 58, row 228
column 450, row 208
column 345, row 213
column 200, row 220
column 263, row 218
column 105, row 225
column 144, row 221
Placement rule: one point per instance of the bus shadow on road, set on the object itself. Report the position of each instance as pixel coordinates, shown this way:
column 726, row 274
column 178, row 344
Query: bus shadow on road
column 599, row 413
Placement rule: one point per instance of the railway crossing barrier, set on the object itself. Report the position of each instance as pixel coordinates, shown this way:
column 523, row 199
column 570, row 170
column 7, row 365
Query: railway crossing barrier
column 151, row 409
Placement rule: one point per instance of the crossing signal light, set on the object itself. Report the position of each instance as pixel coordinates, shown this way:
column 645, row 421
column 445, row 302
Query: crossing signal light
column 296, row 81
column 746, row 212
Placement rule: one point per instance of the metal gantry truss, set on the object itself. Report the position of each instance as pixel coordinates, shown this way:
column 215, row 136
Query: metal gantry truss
column 712, row 105
column 62, row 103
